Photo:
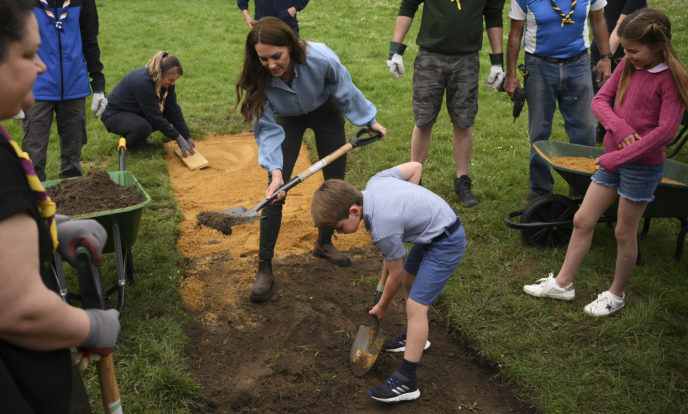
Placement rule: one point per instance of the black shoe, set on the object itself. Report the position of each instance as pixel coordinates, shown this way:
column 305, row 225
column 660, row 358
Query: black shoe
column 462, row 188
column 397, row 388
column 398, row 344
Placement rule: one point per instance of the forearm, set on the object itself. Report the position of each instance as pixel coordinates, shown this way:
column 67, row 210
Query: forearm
column 394, row 279
column 401, row 27
column 599, row 30
column 495, row 35
column 33, row 316
column 513, row 47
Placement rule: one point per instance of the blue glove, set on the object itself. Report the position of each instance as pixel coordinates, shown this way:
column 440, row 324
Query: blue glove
column 72, row 233
column 103, row 333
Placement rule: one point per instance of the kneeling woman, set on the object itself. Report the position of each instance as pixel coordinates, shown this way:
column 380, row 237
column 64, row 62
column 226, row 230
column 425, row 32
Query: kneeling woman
column 287, row 86
column 145, row 101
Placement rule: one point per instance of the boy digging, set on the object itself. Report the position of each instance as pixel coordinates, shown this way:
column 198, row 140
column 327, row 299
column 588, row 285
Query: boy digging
column 396, row 210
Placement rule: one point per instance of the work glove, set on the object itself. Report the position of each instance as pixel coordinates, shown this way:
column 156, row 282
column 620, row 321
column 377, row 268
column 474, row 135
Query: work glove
column 20, row 115
column 395, row 62
column 99, row 104
column 496, row 77
column 103, row 334
column 186, row 145
column 73, row 233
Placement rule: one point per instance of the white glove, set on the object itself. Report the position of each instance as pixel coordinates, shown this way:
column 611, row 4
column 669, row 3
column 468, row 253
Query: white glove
column 20, row 115
column 396, row 65
column 496, row 77
column 99, row 103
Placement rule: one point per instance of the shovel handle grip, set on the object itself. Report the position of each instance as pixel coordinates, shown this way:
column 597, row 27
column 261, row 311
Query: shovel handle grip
column 357, row 141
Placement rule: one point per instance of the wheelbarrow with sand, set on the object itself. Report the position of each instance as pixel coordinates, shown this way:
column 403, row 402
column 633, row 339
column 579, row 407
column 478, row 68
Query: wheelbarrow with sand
column 547, row 222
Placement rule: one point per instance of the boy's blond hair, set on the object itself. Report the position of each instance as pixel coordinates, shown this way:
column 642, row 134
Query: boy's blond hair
column 331, row 202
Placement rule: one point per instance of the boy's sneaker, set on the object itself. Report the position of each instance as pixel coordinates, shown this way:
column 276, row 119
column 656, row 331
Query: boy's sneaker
column 604, row 305
column 547, row 287
column 397, row 388
column 398, row 344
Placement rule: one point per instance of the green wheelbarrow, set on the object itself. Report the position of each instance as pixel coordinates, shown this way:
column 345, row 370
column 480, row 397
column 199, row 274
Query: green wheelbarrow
column 547, row 222
column 122, row 225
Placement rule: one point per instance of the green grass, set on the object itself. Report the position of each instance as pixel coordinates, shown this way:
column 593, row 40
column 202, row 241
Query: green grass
column 561, row 360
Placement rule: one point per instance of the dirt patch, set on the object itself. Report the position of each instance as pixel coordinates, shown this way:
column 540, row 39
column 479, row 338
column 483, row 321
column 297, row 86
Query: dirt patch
column 92, row 193
column 291, row 353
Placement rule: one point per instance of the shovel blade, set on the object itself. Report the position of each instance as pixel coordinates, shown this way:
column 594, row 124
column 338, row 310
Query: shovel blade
column 365, row 349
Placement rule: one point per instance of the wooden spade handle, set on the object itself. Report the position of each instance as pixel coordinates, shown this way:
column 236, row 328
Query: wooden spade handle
column 108, row 385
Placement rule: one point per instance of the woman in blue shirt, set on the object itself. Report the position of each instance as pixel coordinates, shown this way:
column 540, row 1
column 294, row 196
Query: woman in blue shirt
column 288, row 85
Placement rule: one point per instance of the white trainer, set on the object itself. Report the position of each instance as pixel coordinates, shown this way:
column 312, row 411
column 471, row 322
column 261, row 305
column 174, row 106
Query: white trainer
column 604, row 305
column 547, row 287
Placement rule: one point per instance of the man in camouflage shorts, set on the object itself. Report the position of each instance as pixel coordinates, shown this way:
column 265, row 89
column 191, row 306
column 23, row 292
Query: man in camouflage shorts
column 449, row 40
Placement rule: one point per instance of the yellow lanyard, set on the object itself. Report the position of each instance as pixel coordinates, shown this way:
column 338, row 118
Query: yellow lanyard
column 458, row 3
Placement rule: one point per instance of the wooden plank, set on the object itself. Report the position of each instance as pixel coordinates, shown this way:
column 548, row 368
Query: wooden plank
column 195, row 161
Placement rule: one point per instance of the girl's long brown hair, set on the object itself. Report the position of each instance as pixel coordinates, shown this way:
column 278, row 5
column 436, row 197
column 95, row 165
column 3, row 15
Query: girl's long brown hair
column 254, row 79
column 651, row 27
column 163, row 64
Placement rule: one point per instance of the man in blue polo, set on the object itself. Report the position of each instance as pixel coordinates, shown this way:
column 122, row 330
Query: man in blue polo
column 556, row 57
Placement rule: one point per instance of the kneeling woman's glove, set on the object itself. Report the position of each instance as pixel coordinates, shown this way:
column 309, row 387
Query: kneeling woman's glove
column 72, row 233
column 186, row 145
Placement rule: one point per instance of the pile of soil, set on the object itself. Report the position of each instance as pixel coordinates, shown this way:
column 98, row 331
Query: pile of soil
column 291, row 353
column 92, row 193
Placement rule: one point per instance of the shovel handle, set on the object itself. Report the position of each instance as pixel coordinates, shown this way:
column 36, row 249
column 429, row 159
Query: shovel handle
column 380, row 287
column 356, row 142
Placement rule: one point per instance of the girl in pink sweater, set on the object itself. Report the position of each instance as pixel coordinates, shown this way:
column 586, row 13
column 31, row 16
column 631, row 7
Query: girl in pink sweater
column 641, row 107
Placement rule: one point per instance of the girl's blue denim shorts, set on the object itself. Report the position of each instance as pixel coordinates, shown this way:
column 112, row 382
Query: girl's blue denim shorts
column 634, row 182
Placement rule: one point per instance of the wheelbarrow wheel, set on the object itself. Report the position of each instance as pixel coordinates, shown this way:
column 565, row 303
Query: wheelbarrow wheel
column 549, row 209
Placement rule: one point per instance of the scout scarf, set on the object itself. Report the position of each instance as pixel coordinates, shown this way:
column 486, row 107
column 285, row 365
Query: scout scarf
column 565, row 18
column 458, row 3
column 57, row 21
column 161, row 101
column 46, row 206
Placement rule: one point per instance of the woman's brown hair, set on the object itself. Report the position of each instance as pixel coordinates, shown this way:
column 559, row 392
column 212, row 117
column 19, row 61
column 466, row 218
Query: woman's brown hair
column 254, row 79
column 651, row 27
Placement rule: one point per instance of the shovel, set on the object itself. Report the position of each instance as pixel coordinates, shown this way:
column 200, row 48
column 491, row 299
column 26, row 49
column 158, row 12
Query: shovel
column 241, row 215
column 369, row 339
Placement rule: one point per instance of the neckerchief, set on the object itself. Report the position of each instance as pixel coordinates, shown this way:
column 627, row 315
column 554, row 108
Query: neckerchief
column 565, row 18
column 161, row 102
column 56, row 20
column 458, row 3
column 46, row 206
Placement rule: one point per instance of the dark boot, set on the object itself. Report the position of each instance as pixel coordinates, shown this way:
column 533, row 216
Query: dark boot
column 462, row 188
column 330, row 253
column 264, row 281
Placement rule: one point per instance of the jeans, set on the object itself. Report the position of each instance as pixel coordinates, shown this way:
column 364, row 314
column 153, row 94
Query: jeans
column 570, row 86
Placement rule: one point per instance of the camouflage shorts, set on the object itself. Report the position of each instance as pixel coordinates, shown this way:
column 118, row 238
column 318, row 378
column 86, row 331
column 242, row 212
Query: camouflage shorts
column 436, row 72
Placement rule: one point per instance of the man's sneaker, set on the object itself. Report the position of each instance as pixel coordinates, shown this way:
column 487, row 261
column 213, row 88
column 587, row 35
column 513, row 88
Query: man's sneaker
column 462, row 188
column 604, row 305
column 397, row 388
column 547, row 287
column 398, row 344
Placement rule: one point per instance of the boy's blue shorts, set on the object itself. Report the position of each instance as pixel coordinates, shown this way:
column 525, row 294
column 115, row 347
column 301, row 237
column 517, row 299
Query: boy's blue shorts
column 433, row 264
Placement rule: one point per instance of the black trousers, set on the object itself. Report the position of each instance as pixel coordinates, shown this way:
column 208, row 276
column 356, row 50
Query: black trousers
column 133, row 127
column 327, row 124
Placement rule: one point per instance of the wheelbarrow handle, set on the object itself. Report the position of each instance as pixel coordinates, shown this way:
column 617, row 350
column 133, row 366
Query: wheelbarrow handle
column 121, row 148
column 357, row 141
